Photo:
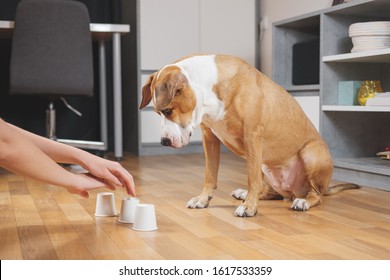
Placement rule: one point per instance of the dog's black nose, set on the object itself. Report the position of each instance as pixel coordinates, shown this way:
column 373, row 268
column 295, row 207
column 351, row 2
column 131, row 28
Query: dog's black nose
column 166, row 141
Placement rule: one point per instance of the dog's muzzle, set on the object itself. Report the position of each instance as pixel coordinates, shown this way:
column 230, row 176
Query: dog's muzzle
column 174, row 135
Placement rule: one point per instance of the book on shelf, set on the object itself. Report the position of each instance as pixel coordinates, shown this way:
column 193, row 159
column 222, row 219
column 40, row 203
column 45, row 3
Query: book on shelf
column 380, row 99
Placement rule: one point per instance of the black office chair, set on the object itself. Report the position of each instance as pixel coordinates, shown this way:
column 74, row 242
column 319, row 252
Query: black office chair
column 52, row 55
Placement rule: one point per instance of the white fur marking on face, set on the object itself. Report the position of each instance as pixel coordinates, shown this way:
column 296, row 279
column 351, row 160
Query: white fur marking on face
column 202, row 74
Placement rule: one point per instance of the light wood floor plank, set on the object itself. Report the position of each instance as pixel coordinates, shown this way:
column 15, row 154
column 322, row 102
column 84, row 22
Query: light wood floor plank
column 236, row 249
column 9, row 238
column 98, row 243
column 25, row 210
column 35, row 243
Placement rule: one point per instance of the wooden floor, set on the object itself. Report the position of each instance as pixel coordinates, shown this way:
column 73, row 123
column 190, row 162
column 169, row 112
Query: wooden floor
column 45, row 222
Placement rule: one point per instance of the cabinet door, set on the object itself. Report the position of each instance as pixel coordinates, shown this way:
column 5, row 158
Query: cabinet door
column 169, row 30
column 311, row 105
column 150, row 127
column 228, row 27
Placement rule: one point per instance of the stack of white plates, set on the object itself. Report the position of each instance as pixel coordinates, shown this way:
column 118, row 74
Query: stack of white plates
column 372, row 35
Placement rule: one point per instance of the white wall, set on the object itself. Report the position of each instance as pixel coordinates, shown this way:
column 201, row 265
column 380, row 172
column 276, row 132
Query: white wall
column 277, row 10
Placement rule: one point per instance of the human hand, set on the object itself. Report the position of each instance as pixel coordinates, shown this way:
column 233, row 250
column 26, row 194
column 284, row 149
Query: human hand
column 111, row 173
column 87, row 182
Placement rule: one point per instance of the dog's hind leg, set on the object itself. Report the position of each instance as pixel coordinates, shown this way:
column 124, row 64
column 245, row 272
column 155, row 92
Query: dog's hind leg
column 318, row 168
column 268, row 193
column 313, row 198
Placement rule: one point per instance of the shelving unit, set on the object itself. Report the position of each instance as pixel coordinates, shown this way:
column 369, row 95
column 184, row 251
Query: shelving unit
column 354, row 134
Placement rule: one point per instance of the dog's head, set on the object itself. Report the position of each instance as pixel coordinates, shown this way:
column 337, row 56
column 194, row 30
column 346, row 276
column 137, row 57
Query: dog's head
column 174, row 99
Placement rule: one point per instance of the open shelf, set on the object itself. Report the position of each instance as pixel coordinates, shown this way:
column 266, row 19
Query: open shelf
column 339, row 108
column 373, row 165
column 378, row 8
column 303, row 88
column 374, row 56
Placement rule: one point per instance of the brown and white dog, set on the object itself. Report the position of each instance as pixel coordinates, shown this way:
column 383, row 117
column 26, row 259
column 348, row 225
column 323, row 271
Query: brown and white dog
column 252, row 116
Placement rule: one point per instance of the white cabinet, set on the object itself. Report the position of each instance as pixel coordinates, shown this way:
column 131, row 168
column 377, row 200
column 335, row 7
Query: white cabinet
column 169, row 30
column 310, row 105
column 172, row 29
column 228, row 27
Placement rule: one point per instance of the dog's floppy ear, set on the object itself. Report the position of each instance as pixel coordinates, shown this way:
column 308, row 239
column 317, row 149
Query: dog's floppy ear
column 146, row 92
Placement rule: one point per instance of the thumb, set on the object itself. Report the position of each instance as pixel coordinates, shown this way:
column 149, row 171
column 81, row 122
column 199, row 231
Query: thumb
column 81, row 193
column 84, row 194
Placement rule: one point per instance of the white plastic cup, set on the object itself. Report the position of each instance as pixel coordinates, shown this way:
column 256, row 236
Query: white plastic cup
column 105, row 205
column 127, row 214
column 145, row 218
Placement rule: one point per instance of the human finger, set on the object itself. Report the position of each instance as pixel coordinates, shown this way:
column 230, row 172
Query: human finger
column 127, row 180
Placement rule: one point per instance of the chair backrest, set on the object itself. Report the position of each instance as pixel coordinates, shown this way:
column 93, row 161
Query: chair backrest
column 51, row 49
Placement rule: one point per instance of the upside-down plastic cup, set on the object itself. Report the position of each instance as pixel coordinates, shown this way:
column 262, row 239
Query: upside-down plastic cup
column 105, row 205
column 145, row 218
column 127, row 214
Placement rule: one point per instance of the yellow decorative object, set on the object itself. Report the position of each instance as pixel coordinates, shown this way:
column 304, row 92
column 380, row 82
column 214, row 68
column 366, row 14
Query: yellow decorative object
column 367, row 90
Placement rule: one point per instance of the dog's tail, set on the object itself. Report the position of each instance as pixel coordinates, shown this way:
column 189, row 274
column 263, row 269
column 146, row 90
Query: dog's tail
column 340, row 187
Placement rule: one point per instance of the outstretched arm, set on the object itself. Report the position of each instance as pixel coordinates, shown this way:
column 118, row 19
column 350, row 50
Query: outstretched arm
column 34, row 156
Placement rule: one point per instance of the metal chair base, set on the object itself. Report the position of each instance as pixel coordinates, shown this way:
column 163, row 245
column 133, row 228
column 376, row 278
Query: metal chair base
column 82, row 144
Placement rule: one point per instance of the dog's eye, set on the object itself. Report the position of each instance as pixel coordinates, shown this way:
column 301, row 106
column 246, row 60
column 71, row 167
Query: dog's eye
column 167, row 112
column 178, row 91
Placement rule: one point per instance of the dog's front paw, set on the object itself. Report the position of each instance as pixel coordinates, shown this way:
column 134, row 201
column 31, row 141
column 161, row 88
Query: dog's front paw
column 198, row 202
column 300, row 204
column 244, row 211
column 240, row 194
